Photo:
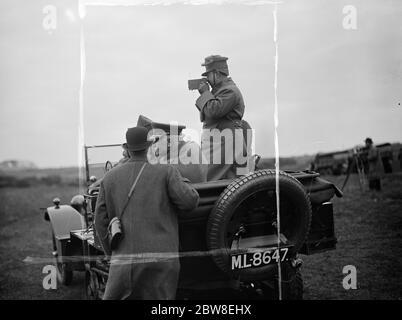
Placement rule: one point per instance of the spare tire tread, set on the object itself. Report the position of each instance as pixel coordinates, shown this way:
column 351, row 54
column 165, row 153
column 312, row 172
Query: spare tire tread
column 215, row 236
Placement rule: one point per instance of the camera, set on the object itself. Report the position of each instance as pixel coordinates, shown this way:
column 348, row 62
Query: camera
column 194, row 84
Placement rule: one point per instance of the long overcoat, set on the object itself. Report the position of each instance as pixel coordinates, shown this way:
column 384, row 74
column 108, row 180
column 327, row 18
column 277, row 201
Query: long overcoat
column 145, row 265
column 223, row 108
column 375, row 167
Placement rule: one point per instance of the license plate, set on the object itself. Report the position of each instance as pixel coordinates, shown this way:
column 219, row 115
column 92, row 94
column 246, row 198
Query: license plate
column 259, row 258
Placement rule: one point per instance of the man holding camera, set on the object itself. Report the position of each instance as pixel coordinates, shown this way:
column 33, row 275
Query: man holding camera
column 145, row 263
column 223, row 108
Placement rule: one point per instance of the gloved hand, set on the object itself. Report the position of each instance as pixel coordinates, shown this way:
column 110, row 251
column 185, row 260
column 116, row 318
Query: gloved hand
column 203, row 87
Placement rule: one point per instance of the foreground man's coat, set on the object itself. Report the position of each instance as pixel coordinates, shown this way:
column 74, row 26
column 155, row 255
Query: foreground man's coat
column 145, row 264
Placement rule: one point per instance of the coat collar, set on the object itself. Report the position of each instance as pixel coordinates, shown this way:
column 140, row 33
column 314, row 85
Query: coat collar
column 139, row 158
column 225, row 82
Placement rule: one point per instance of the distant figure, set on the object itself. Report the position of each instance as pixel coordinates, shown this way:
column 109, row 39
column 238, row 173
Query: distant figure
column 400, row 158
column 374, row 166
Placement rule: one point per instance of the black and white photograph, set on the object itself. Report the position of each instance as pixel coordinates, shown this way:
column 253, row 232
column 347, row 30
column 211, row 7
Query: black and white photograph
column 200, row 150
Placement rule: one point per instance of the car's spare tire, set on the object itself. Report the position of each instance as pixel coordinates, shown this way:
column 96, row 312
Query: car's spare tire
column 247, row 208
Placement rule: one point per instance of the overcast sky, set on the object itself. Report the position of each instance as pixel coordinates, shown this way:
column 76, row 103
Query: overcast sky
column 335, row 86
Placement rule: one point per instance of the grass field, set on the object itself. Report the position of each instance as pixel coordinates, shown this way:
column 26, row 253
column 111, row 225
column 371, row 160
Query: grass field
column 368, row 227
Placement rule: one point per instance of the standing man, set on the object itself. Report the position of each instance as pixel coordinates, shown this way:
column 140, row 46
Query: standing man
column 400, row 158
column 223, row 108
column 374, row 166
column 145, row 264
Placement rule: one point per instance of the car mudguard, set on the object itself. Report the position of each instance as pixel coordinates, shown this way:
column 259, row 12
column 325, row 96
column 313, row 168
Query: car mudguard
column 64, row 219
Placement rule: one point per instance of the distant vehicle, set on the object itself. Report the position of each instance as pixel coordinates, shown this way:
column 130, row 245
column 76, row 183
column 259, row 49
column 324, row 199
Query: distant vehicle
column 332, row 163
column 229, row 242
column 336, row 163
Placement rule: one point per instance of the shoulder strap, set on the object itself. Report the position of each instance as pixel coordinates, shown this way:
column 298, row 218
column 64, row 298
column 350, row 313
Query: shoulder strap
column 132, row 189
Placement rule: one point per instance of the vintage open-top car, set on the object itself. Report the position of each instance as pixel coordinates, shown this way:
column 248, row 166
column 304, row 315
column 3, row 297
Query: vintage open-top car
column 232, row 243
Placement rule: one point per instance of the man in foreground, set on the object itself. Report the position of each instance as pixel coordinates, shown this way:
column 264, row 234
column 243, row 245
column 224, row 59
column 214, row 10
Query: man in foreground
column 145, row 264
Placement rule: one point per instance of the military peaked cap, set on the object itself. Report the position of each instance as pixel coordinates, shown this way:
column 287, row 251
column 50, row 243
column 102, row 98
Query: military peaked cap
column 152, row 125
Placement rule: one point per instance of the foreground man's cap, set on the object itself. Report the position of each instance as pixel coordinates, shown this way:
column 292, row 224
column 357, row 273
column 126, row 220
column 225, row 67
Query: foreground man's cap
column 215, row 63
